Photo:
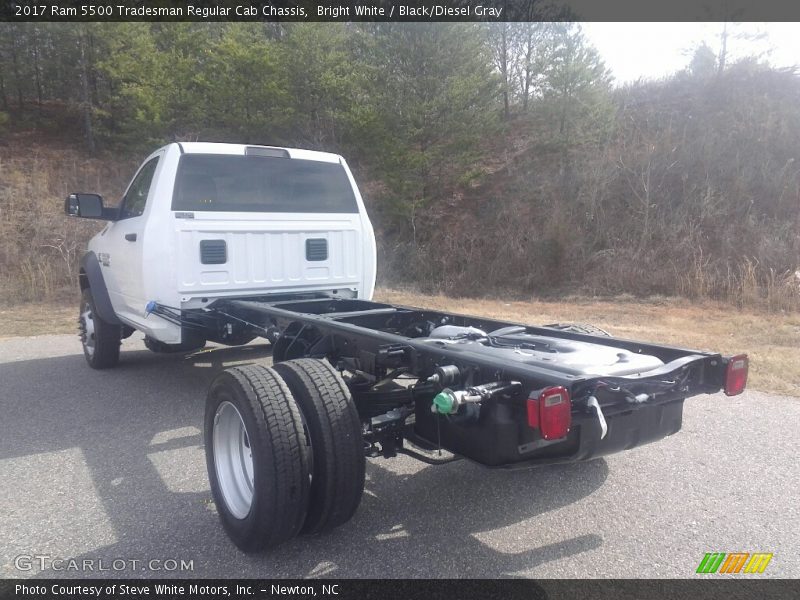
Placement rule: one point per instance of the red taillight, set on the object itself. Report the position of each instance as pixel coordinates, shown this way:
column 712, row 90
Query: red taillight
column 736, row 375
column 550, row 412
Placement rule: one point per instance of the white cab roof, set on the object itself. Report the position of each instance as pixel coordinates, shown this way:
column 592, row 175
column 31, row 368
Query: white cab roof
column 217, row 148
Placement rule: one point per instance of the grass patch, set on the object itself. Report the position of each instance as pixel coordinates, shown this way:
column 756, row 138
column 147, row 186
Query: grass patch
column 38, row 319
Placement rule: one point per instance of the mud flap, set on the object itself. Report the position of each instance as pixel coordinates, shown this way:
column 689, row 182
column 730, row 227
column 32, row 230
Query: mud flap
column 94, row 275
column 593, row 403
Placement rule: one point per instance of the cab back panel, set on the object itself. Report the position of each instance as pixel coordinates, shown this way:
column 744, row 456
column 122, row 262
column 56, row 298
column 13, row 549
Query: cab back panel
column 271, row 253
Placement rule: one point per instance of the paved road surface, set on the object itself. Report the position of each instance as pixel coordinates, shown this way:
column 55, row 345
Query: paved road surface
column 109, row 465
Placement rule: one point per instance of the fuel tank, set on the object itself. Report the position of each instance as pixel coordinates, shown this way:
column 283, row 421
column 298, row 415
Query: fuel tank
column 571, row 357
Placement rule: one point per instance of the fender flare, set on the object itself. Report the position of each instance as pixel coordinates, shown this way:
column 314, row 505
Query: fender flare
column 91, row 276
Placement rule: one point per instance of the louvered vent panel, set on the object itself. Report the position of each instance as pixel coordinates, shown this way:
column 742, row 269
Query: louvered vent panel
column 316, row 249
column 213, row 252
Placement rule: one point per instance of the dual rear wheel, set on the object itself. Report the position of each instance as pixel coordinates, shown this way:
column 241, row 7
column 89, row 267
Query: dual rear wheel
column 284, row 451
column 284, row 448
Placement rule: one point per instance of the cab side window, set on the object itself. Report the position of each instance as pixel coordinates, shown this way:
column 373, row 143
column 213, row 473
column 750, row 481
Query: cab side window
column 136, row 199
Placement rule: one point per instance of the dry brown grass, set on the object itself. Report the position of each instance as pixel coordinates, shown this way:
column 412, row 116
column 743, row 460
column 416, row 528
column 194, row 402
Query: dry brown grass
column 38, row 319
column 771, row 339
column 39, row 246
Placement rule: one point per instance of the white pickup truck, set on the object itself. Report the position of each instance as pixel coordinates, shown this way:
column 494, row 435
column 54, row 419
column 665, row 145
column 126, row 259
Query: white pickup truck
column 227, row 242
column 202, row 221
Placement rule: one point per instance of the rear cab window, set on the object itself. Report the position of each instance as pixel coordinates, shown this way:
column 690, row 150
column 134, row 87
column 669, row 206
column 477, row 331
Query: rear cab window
column 242, row 183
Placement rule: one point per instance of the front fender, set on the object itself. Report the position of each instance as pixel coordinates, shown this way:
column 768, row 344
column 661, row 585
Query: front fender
column 92, row 277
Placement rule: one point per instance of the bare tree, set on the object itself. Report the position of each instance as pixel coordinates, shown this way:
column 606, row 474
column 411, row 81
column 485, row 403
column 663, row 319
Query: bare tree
column 86, row 103
column 501, row 43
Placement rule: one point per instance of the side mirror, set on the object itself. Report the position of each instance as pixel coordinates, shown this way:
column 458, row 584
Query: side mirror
column 88, row 206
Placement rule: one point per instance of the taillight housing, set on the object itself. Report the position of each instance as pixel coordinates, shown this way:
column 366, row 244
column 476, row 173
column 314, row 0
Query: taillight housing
column 550, row 411
column 736, row 374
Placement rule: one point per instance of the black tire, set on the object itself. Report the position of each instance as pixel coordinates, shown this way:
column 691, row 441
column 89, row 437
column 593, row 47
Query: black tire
column 101, row 340
column 159, row 347
column 279, row 347
column 274, row 432
column 334, row 428
column 579, row 328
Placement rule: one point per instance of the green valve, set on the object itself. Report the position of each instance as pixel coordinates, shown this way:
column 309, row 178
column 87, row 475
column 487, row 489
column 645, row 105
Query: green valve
column 445, row 403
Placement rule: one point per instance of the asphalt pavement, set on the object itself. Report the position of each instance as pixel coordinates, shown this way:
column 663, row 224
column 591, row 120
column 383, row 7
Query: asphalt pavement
column 105, row 466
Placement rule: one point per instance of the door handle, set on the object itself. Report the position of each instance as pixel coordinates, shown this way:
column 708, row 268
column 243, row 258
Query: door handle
column 131, row 237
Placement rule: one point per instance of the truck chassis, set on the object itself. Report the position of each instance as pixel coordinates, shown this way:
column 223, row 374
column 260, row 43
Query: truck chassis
column 436, row 399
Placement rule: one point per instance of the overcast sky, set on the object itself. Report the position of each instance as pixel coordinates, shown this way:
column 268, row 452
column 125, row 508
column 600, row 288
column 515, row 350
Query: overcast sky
column 653, row 50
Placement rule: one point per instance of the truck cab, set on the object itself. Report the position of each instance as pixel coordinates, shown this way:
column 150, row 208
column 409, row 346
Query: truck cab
column 203, row 221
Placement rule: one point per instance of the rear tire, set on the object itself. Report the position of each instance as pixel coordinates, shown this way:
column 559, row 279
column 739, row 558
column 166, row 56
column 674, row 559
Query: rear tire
column 579, row 328
column 255, row 456
column 337, row 447
column 100, row 339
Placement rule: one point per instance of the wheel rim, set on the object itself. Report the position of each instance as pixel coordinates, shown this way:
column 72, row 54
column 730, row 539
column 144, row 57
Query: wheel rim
column 88, row 337
column 233, row 460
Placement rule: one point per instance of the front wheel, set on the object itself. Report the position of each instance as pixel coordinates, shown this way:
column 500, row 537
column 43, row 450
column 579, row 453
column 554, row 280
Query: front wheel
column 100, row 339
column 256, row 457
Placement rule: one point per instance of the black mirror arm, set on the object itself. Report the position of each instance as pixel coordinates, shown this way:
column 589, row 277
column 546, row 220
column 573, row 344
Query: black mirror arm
column 110, row 213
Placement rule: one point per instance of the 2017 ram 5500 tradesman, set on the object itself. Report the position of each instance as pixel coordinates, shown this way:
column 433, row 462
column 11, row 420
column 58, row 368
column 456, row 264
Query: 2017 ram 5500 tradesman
column 226, row 242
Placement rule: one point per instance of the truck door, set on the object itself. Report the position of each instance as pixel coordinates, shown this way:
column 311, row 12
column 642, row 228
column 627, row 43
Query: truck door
column 124, row 241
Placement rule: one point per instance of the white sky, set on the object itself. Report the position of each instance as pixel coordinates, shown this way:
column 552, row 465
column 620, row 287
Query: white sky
column 654, row 50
